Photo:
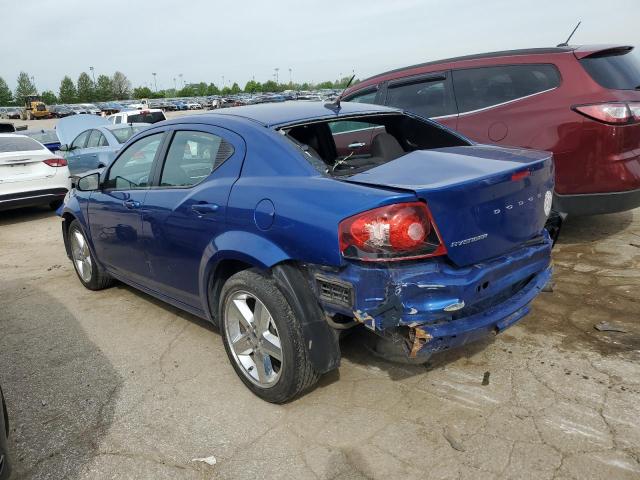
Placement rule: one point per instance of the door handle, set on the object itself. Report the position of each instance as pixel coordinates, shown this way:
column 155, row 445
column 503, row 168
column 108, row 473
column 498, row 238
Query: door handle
column 202, row 208
column 131, row 204
column 356, row 145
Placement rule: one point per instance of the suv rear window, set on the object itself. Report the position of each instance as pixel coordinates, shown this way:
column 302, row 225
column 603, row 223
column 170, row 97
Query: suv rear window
column 146, row 117
column 616, row 69
column 18, row 144
column 484, row 87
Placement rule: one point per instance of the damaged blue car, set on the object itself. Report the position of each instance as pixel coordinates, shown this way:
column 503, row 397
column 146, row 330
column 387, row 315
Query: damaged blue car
column 283, row 224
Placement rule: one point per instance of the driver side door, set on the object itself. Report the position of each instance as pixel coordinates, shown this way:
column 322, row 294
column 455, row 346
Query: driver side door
column 115, row 211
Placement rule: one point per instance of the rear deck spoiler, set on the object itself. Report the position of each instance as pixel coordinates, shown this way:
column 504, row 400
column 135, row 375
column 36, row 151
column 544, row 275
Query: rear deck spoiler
column 601, row 50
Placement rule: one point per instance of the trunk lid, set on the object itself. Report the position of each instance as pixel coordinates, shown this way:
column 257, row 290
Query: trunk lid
column 480, row 207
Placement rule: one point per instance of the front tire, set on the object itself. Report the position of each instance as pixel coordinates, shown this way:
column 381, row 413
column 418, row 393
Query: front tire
column 263, row 338
column 90, row 273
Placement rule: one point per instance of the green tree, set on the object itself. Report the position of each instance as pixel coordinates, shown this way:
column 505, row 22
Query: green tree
column 235, row 88
column 67, row 93
column 142, row 92
column 6, row 97
column 104, row 89
column 121, row 86
column 326, row 84
column 212, row 89
column 49, row 98
column 270, row 86
column 252, row 87
column 85, row 88
column 226, row 91
column 25, row 87
column 201, row 89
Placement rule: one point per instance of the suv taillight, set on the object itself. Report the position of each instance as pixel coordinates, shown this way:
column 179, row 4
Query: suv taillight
column 403, row 231
column 56, row 162
column 614, row 113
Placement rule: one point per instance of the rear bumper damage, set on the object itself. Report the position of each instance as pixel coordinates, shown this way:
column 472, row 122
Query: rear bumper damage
column 426, row 307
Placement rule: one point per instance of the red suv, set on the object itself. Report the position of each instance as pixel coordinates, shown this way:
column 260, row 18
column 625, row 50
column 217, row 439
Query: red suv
column 581, row 103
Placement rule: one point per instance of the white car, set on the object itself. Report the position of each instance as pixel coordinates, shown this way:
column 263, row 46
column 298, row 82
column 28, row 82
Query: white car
column 193, row 106
column 30, row 174
column 152, row 115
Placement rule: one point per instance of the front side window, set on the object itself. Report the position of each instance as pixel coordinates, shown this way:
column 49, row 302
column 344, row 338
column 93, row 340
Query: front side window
column 365, row 97
column 81, row 140
column 192, row 157
column 132, row 169
column 484, row 87
column 427, row 98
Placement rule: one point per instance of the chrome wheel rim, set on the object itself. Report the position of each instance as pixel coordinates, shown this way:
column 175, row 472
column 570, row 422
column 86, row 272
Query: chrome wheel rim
column 81, row 255
column 253, row 339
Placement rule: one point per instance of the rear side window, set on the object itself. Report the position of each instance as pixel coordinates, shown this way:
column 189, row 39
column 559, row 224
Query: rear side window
column 18, row 144
column 81, row 140
column 428, row 98
column 192, row 157
column 146, row 117
column 617, row 69
column 484, row 87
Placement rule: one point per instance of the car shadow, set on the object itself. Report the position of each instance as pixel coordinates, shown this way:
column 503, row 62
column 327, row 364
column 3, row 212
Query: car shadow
column 60, row 389
column 593, row 228
column 26, row 214
column 356, row 349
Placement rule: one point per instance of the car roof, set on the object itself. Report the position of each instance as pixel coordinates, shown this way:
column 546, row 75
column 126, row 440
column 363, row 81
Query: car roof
column 275, row 114
column 580, row 51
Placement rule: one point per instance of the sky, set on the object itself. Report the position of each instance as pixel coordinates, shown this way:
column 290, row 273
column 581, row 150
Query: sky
column 318, row 40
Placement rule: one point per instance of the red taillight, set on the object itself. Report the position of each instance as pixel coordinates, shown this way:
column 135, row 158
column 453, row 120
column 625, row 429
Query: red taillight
column 401, row 231
column 56, row 162
column 612, row 113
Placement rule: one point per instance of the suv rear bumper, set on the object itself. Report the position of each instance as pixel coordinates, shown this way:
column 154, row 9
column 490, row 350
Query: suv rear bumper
column 26, row 199
column 597, row 203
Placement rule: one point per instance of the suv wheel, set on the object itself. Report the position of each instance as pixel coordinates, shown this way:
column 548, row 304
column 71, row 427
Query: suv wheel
column 263, row 339
column 90, row 273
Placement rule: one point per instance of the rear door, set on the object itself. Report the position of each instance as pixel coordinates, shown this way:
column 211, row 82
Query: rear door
column 75, row 155
column 114, row 212
column 429, row 95
column 186, row 208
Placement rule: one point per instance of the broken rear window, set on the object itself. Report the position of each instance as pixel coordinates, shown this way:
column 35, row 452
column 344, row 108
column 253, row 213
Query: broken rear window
column 352, row 145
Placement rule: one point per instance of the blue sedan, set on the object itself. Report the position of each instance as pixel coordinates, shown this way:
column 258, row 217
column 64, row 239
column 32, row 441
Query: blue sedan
column 285, row 223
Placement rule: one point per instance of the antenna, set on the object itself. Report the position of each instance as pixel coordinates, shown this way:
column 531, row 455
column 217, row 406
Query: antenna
column 335, row 105
column 566, row 43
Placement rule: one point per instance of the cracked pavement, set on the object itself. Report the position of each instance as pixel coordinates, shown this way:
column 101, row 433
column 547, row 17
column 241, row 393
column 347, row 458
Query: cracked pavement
column 115, row 384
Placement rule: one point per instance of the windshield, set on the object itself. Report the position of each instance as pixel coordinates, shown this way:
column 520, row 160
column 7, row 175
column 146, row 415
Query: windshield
column 18, row 144
column 355, row 144
column 44, row 136
column 618, row 69
column 125, row 133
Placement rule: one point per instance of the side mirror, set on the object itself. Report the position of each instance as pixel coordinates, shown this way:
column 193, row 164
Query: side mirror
column 89, row 183
column 64, row 148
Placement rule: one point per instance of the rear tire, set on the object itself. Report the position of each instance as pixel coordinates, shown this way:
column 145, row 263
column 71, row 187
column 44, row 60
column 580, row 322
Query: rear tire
column 90, row 273
column 254, row 343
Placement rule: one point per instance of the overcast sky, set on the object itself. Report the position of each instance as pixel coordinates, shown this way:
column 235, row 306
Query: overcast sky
column 318, row 40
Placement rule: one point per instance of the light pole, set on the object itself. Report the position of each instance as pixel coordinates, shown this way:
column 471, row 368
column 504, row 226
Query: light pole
column 277, row 70
column 222, row 84
column 93, row 74
column 290, row 77
column 174, row 83
column 155, row 83
column 181, row 80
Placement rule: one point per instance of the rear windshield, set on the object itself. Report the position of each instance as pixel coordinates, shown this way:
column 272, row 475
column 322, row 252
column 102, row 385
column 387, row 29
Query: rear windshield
column 618, row 70
column 18, row 144
column 146, row 117
column 125, row 133
column 352, row 145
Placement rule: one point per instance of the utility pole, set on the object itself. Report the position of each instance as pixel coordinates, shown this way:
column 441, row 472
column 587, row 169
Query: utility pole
column 155, row 83
column 290, row 77
column 93, row 74
column 277, row 70
column 174, row 83
column 181, row 80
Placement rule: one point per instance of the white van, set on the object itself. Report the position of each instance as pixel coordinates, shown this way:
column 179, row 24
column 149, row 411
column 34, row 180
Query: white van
column 152, row 115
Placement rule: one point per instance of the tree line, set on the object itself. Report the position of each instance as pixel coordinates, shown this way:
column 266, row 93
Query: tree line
column 118, row 87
